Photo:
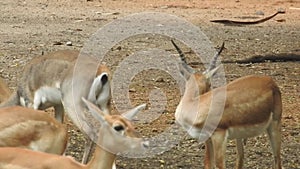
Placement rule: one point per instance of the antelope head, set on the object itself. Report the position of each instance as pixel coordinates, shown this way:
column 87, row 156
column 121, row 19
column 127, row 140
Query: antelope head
column 202, row 78
column 117, row 133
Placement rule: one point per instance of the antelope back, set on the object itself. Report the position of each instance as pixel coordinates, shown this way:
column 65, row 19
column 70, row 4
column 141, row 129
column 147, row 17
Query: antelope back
column 45, row 71
column 33, row 129
column 116, row 134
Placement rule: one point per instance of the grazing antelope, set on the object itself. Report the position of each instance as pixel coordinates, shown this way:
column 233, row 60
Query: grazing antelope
column 116, row 134
column 252, row 105
column 4, row 91
column 33, row 129
column 40, row 87
column 39, row 84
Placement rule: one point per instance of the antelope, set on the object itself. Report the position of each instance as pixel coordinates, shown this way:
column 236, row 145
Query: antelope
column 252, row 105
column 115, row 135
column 40, row 86
column 32, row 129
column 4, row 91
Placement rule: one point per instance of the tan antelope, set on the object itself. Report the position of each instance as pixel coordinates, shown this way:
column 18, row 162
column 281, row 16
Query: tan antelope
column 115, row 135
column 32, row 129
column 252, row 105
column 40, row 86
column 4, row 91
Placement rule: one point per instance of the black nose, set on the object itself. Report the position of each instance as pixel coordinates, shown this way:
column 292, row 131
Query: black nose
column 104, row 79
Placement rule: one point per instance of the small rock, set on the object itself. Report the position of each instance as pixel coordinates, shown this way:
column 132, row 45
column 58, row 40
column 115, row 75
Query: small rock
column 162, row 162
column 108, row 13
column 132, row 90
column 159, row 79
column 57, row 43
column 164, row 7
column 69, row 43
column 119, row 48
column 280, row 20
column 154, row 130
column 282, row 10
column 259, row 13
column 171, row 122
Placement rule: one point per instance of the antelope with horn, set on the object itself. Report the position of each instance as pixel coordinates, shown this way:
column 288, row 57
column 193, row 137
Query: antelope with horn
column 115, row 135
column 40, row 86
column 244, row 108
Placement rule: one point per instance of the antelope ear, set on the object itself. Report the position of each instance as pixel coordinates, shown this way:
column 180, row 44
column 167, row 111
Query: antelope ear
column 211, row 73
column 98, row 87
column 94, row 110
column 131, row 113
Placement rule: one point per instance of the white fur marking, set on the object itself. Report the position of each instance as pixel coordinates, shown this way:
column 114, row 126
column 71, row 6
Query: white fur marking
column 114, row 165
column 100, row 90
column 46, row 97
column 22, row 101
column 11, row 166
column 248, row 131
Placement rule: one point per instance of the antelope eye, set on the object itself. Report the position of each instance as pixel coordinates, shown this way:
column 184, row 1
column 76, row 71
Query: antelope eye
column 119, row 128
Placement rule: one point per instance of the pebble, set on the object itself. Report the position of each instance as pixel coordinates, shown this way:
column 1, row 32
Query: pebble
column 159, row 79
column 69, row 43
column 132, row 90
column 162, row 161
column 57, row 43
column 154, row 130
column 259, row 13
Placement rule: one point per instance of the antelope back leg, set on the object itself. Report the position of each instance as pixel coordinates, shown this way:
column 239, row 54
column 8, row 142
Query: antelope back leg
column 209, row 155
column 240, row 153
column 59, row 113
column 274, row 133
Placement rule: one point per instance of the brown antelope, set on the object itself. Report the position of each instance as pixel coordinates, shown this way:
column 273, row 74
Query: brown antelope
column 33, row 129
column 4, row 91
column 40, row 86
column 116, row 134
column 252, row 104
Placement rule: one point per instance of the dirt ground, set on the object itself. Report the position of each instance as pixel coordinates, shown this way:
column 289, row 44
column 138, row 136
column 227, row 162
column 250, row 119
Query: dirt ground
column 30, row 27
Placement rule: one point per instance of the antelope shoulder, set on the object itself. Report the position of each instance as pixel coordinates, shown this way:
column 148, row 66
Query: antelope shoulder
column 32, row 129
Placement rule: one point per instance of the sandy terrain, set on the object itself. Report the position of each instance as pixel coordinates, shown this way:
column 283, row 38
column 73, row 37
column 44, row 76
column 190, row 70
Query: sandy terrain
column 30, row 27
